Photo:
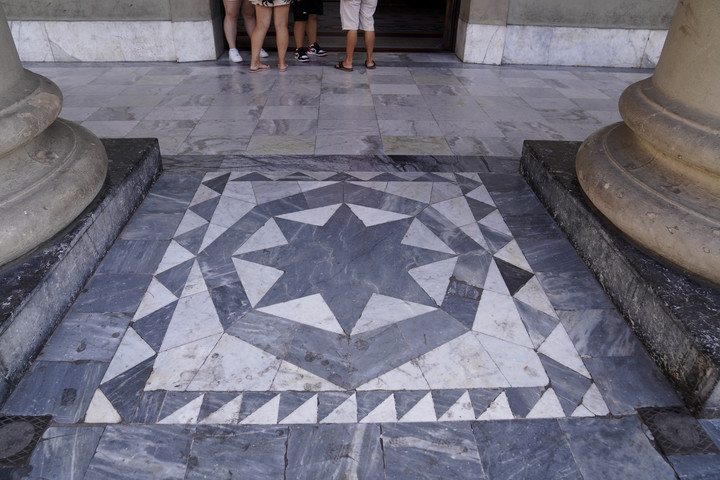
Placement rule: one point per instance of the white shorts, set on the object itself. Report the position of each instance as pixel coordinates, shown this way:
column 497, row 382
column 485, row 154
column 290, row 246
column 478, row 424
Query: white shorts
column 358, row 14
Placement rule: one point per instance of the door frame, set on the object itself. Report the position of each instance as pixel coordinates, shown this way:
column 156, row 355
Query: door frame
column 452, row 17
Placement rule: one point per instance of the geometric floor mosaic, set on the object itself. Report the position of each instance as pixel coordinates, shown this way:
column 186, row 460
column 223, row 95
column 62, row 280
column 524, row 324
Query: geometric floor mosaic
column 309, row 297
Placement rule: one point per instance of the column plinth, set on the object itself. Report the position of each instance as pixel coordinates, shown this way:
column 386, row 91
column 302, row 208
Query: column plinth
column 656, row 175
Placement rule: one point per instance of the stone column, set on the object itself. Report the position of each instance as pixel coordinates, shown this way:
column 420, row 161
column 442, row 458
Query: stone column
column 50, row 169
column 656, row 176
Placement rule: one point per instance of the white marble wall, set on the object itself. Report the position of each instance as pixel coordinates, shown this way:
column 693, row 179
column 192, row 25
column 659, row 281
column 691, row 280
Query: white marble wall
column 113, row 41
column 530, row 45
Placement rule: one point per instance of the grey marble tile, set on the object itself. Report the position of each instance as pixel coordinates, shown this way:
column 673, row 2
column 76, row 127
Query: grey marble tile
column 471, row 145
column 248, row 452
column 394, row 112
column 134, row 257
column 334, row 451
column 627, row 383
column 64, row 452
column 213, row 145
column 155, row 226
column 60, row 389
column 569, row 386
column 120, row 113
column 349, row 145
column 142, row 452
column 342, row 128
column 524, row 449
column 286, row 127
column 696, row 467
column 612, row 448
column 440, row 450
column 551, row 255
column 107, row 293
column 712, row 427
column 86, row 336
column 110, row 128
column 574, row 291
column 600, row 333
column 239, row 126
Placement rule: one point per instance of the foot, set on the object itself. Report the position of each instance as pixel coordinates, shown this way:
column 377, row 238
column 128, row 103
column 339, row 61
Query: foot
column 314, row 49
column 301, row 55
column 283, row 67
column 370, row 64
column 259, row 67
column 341, row 66
column 235, row 55
column 263, row 53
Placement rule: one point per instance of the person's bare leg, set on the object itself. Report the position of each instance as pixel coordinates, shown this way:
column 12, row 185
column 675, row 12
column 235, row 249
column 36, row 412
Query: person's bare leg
column 370, row 47
column 312, row 26
column 248, row 15
column 350, row 44
column 263, row 16
column 232, row 10
column 299, row 33
column 282, row 36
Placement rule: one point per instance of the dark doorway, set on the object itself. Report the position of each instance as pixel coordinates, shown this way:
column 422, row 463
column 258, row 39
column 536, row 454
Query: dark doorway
column 400, row 26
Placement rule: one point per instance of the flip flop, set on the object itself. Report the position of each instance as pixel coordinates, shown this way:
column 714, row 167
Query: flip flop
column 342, row 67
column 282, row 68
column 259, row 68
column 370, row 67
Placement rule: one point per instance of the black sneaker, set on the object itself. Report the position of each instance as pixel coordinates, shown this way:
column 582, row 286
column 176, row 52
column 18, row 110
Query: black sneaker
column 315, row 49
column 301, row 55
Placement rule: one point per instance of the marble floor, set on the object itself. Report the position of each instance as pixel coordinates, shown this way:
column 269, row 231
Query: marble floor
column 342, row 275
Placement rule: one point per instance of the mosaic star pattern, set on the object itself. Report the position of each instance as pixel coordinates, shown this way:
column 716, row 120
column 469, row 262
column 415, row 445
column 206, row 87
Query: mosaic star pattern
column 343, row 298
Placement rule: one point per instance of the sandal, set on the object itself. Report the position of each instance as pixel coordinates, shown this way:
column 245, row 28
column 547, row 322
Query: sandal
column 259, row 68
column 370, row 67
column 342, row 67
column 282, row 68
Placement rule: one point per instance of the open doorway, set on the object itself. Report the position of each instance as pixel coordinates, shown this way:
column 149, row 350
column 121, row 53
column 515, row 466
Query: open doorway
column 400, row 25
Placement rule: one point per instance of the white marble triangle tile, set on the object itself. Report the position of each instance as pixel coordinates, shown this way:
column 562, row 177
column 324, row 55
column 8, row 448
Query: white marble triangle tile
column 461, row 363
column 379, row 186
column 185, row 415
column 444, row 191
column 405, row 377
column 346, row 412
column 418, row 191
column 373, row 216
column 306, row 413
column 190, row 222
column 225, row 415
column 383, row 413
column 269, row 191
column 291, row 378
column 364, row 175
column 593, row 401
column 195, row 282
column 447, row 175
column 547, row 407
column 203, row 194
column 211, row 175
column 101, row 410
column 533, row 294
column 234, row 365
column 310, row 186
column 497, row 316
column 560, row 348
column 418, row 235
column 581, row 411
column 499, row 409
column 242, row 191
column 229, row 211
column 494, row 281
column 470, row 175
column 174, row 256
column 174, row 369
column 194, row 318
column 472, row 230
column 314, row 216
column 462, row 410
column 322, row 175
column 212, row 234
column 495, row 221
column 519, row 365
column 423, row 411
column 481, row 194
column 382, row 311
column 511, row 253
column 434, row 278
column 132, row 351
column 456, row 210
column 256, row 279
column 265, row 415
column 409, row 175
column 311, row 310
column 156, row 297
column 267, row 236
column 275, row 175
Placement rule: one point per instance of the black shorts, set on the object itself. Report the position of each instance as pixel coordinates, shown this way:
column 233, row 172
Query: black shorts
column 302, row 8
